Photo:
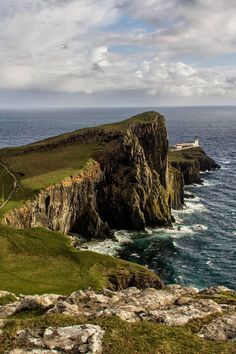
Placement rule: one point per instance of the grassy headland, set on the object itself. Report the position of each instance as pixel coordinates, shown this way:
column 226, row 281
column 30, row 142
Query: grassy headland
column 44, row 163
column 41, row 261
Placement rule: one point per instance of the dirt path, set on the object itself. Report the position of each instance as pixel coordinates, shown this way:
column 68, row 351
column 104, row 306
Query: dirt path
column 14, row 185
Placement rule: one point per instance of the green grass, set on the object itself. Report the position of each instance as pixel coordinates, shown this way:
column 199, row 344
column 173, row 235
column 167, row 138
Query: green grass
column 125, row 338
column 40, row 169
column 38, row 261
column 6, row 299
column 188, row 155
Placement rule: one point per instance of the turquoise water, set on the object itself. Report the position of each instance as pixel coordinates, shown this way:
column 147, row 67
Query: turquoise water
column 201, row 250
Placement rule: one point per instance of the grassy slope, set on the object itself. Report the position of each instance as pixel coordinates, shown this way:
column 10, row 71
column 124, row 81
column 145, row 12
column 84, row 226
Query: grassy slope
column 40, row 261
column 41, row 169
column 37, row 169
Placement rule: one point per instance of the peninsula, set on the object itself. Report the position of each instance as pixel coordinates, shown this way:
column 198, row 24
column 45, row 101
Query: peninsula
column 91, row 182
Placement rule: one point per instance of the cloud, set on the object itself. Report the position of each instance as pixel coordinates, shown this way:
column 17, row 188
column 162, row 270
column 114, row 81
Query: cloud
column 193, row 27
column 88, row 46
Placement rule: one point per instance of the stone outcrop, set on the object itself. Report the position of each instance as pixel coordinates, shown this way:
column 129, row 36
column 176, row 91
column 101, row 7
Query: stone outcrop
column 173, row 306
column 126, row 186
column 72, row 339
column 223, row 328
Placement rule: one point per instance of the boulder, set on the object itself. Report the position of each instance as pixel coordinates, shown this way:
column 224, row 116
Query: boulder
column 8, row 309
column 181, row 315
column 72, row 339
column 223, row 328
column 43, row 302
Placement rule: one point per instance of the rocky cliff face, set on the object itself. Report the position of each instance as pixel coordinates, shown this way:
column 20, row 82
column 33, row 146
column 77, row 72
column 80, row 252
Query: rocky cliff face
column 69, row 206
column 126, row 187
column 176, row 188
column 191, row 162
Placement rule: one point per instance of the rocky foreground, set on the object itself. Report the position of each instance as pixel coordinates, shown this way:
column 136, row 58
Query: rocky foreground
column 213, row 309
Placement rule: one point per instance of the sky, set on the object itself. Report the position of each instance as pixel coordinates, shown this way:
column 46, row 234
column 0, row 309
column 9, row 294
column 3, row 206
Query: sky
column 91, row 53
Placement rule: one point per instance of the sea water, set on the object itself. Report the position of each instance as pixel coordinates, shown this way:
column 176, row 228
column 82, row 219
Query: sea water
column 201, row 249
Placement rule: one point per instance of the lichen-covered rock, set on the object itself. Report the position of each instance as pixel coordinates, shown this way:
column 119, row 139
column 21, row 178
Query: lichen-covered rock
column 217, row 290
column 223, row 328
column 184, row 312
column 174, row 306
column 72, row 339
column 43, row 302
column 34, row 351
column 8, row 309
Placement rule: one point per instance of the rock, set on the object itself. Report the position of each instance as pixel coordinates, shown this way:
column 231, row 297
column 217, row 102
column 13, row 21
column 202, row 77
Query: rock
column 72, row 339
column 189, row 196
column 43, row 302
column 8, row 309
column 182, row 290
column 181, row 315
column 217, row 290
column 176, row 188
column 6, row 293
column 35, row 351
column 68, row 309
column 223, row 328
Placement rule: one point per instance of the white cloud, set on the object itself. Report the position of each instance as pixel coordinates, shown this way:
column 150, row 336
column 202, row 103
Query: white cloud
column 67, row 46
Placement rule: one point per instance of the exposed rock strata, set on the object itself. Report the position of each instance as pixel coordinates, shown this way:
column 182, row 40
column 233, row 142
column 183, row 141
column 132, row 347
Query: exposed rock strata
column 176, row 188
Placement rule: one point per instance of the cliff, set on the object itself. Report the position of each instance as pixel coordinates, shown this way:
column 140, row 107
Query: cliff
column 191, row 162
column 95, row 180
column 124, row 184
column 176, row 188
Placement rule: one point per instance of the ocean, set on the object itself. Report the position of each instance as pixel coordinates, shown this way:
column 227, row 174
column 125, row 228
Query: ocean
column 201, row 249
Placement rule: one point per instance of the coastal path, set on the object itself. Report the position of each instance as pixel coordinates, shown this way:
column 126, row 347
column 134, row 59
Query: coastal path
column 14, row 185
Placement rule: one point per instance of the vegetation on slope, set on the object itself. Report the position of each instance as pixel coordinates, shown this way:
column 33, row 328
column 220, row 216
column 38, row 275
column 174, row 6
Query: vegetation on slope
column 40, row 261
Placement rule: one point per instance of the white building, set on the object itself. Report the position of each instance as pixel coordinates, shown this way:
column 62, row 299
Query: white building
column 188, row 145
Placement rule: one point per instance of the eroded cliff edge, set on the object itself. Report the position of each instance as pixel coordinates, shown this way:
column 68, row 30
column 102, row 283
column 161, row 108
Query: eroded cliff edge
column 124, row 185
column 127, row 183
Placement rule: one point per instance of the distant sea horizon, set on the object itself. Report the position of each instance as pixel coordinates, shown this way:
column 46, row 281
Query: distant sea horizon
column 201, row 250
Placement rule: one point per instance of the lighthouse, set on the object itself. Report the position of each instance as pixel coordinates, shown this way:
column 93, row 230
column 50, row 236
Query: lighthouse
column 196, row 141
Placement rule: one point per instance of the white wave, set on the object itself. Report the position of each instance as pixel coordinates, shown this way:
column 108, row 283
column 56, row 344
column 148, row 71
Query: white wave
column 200, row 227
column 176, row 232
column 192, row 207
column 226, row 162
column 109, row 247
column 211, row 265
column 207, row 183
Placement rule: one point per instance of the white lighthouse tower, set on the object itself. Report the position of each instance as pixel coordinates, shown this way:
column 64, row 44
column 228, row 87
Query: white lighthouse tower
column 196, row 141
